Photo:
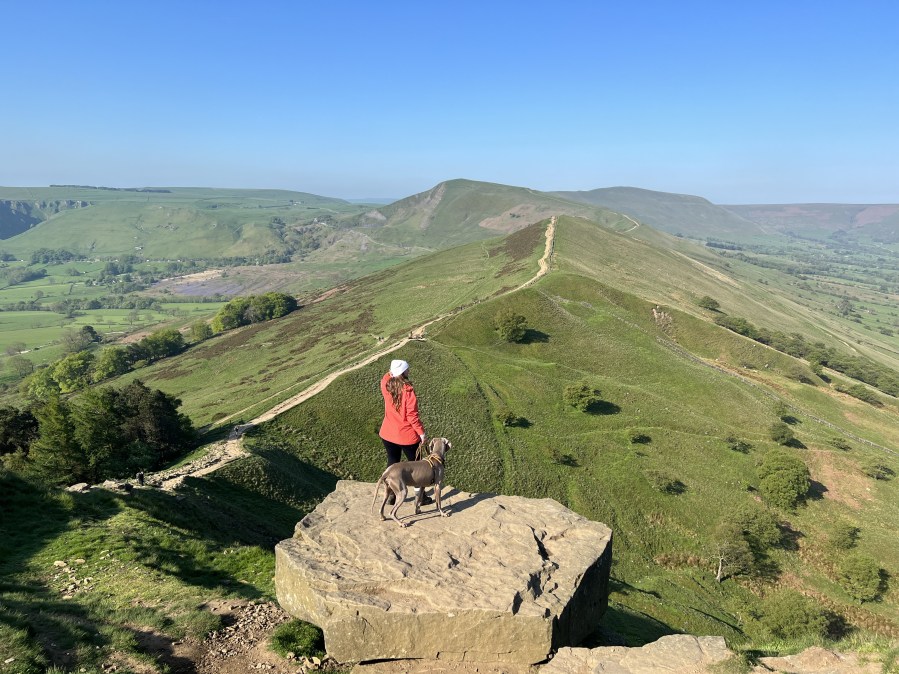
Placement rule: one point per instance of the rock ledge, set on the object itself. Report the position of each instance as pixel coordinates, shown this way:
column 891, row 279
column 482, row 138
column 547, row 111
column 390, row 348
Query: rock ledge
column 503, row 579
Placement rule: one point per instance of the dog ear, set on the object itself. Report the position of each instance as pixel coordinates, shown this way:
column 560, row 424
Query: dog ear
column 448, row 444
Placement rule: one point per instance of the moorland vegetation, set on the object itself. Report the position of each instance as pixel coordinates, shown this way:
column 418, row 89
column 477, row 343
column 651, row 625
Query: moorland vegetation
column 619, row 396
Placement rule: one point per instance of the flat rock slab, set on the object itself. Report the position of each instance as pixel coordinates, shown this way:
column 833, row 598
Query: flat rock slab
column 675, row 654
column 817, row 660
column 503, row 579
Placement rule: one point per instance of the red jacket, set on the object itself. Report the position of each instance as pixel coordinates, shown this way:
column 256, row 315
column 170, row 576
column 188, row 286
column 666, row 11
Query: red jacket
column 402, row 427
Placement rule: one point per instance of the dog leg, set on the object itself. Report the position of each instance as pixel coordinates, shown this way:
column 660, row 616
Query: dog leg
column 437, row 499
column 400, row 497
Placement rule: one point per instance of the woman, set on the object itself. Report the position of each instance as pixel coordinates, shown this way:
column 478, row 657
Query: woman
column 402, row 430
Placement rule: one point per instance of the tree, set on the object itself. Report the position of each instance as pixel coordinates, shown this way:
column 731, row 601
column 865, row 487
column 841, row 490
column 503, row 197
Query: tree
column 783, row 479
column 759, row 526
column 20, row 365
column 108, row 433
column 510, row 325
column 789, row 614
column 73, row 372
column 162, row 344
column 231, row 315
column 200, row 331
column 732, row 553
column 18, row 429
column 15, row 348
column 111, row 362
column 581, row 396
column 709, row 303
column 860, row 577
column 79, row 340
column 40, row 385
column 55, row 455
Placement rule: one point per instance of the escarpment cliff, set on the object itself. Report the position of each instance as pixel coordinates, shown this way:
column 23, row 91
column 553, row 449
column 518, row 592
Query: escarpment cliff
column 18, row 216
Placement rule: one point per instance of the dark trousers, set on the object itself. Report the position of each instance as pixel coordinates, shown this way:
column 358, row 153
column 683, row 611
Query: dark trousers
column 395, row 451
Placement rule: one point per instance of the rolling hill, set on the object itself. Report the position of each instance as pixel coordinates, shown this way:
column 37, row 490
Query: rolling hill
column 158, row 223
column 668, row 453
column 862, row 223
column 681, row 214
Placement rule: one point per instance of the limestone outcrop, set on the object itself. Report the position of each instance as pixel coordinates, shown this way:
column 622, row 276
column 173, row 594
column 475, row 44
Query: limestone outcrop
column 502, row 579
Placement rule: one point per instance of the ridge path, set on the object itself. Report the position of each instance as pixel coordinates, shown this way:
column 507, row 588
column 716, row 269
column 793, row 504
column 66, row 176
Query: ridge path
column 225, row 452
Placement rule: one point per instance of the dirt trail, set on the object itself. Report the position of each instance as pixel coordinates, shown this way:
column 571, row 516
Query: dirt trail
column 636, row 224
column 227, row 451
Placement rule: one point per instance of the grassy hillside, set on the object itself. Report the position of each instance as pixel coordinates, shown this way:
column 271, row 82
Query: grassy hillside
column 863, row 223
column 668, row 452
column 683, row 214
column 167, row 224
column 249, row 370
column 458, row 211
column 662, row 412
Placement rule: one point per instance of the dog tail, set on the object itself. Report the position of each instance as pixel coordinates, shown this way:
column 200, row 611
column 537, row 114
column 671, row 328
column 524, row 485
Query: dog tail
column 377, row 489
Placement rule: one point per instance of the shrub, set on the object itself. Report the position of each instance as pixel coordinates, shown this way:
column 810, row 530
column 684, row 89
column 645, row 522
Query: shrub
column 783, row 479
column 789, row 614
column 840, row 443
column 581, row 396
column 844, row 536
column 709, row 303
column 510, row 325
column 781, row 411
column 738, row 445
column 781, row 433
column 878, row 469
column 640, row 439
column 298, row 637
column 665, row 482
column 860, row 577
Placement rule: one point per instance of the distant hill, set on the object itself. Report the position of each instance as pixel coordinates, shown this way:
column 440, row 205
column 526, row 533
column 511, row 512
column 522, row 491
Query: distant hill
column 158, row 222
column 682, row 214
column 877, row 223
column 459, row 211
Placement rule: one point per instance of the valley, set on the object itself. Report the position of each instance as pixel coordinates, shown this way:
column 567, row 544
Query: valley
column 671, row 449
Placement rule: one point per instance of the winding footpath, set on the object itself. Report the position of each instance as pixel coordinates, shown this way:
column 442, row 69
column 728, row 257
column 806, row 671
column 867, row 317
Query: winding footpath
column 223, row 453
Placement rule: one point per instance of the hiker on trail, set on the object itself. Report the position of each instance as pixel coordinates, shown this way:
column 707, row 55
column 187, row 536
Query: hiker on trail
column 402, row 430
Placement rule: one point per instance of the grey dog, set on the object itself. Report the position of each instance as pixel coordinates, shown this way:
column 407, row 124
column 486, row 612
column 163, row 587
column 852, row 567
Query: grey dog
column 420, row 474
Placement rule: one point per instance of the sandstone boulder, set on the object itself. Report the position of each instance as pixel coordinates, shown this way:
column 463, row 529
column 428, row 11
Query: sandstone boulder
column 674, row 654
column 503, row 579
column 817, row 660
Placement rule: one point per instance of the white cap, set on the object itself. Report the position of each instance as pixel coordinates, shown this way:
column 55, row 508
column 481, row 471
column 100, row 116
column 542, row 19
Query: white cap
column 397, row 367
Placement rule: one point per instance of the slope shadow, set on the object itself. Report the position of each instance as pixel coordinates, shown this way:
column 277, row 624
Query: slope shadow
column 602, row 407
column 534, row 337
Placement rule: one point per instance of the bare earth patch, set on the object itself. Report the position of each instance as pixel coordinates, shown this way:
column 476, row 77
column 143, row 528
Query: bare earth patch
column 840, row 476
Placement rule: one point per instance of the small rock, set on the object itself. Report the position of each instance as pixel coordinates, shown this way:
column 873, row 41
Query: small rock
column 8, row 660
column 79, row 561
column 316, row 662
column 59, row 563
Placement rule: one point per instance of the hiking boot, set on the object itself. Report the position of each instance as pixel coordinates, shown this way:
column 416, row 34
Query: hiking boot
column 391, row 498
column 426, row 500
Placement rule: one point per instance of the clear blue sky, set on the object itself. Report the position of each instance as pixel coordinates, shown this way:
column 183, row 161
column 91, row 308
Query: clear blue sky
column 739, row 102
